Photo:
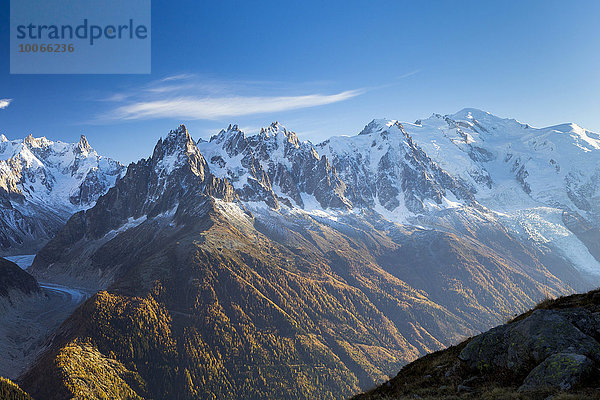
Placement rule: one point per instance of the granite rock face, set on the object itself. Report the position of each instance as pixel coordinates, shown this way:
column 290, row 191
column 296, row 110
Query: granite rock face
column 382, row 166
column 274, row 166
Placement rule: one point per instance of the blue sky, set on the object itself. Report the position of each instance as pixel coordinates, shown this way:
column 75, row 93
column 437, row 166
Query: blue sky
column 322, row 69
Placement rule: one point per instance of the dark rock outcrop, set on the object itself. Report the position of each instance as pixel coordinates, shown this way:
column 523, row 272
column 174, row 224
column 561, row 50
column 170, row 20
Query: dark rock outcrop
column 518, row 346
column 13, row 278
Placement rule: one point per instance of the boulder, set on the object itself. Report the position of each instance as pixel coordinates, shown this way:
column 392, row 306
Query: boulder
column 521, row 345
column 562, row 371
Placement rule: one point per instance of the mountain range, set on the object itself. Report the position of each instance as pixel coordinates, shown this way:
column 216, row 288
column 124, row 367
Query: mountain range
column 262, row 266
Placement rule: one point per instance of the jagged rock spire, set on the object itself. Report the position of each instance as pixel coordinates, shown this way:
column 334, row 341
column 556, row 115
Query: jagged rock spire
column 177, row 142
column 83, row 146
column 30, row 141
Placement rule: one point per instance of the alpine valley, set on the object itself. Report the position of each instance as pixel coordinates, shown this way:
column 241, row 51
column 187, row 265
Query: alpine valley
column 265, row 267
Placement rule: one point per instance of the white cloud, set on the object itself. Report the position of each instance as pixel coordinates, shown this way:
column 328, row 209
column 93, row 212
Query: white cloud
column 192, row 98
column 5, row 103
column 213, row 108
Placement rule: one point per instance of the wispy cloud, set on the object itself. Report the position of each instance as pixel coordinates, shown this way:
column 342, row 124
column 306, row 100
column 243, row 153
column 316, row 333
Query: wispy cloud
column 411, row 73
column 396, row 81
column 5, row 103
column 178, row 77
column 185, row 96
column 214, row 108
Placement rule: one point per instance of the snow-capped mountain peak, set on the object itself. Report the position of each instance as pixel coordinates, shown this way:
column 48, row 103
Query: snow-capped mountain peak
column 177, row 140
column 278, row 135
column 45, row 182
column 498, row 155
column 274, row 128
column 582, row 138
column 377, row 126
column 230, row 135
column 471, row 113
column 178, row 150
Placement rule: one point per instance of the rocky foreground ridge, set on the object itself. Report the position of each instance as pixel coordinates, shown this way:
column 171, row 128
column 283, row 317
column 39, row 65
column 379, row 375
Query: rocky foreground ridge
column 550, row 352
